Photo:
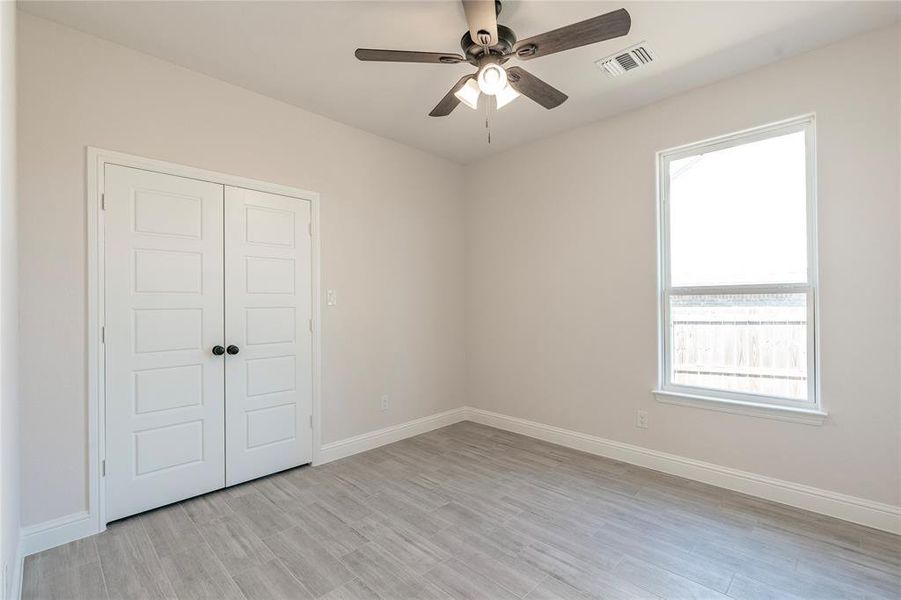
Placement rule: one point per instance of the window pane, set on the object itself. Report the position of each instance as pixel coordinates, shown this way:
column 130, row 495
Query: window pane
column 738, row 215
column 749, row 343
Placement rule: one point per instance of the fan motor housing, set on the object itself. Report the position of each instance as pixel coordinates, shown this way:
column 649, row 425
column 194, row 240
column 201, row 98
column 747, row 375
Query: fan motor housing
column 506, row 39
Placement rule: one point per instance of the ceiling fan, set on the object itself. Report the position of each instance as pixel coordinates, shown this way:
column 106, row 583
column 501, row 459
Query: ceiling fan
column 488, row 46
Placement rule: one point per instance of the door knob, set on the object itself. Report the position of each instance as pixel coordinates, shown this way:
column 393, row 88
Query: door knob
column 218, row 350
column 232, row 349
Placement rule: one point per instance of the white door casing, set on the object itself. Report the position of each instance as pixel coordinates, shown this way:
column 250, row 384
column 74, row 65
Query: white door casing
column 97, row 161
column 164, row 312
column 269, row 382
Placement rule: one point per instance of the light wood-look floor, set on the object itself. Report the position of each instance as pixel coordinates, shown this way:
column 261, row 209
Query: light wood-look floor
column 472, row 512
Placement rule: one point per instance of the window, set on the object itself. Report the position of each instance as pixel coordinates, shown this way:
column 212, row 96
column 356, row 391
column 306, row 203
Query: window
column 738, row 269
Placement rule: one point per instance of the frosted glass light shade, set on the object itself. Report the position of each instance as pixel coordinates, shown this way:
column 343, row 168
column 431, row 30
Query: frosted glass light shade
column 492, row 79
column 469, row 94
column 506, row 96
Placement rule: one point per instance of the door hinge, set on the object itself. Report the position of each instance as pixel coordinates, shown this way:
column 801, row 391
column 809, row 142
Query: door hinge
column 103, row 468
column 102, row 201
column 311, row 325
column 102, row 335
column 311, row 421
column 311, row 229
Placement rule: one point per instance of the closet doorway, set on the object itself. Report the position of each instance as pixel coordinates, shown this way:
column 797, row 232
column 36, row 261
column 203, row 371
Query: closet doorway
column 208, row 350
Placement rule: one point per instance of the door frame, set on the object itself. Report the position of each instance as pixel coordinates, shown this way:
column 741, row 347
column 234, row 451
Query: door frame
column 97, row 159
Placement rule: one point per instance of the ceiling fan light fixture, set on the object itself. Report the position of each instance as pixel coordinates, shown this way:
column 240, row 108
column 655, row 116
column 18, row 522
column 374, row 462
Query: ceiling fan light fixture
column 506, row 96
column 469, row 94
column 492, row 79
column 488, row 46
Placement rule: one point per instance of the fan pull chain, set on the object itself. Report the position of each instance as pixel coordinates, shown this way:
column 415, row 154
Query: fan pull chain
column 488, row 117
column 486, row 52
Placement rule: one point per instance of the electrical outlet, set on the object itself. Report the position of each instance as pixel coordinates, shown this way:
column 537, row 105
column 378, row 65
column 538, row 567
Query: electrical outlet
column 385, row 402
column 641, row 419
column 331, row 298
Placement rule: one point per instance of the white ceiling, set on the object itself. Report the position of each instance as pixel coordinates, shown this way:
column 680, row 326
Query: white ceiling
column 302, row 53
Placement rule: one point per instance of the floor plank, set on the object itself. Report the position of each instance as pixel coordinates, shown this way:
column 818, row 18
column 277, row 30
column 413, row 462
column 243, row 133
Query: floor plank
column 130, row 565
column 270, row 581
column 308, row 561
column 196, row 573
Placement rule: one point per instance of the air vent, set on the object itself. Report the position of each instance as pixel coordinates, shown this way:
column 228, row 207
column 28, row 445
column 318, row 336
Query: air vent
column 626, row 60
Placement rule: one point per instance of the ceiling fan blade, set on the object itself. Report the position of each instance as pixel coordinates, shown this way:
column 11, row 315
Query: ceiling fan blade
column 481, row 15
column 450, row 101
column 407, row 56
column 604, row 27
column 530, row 86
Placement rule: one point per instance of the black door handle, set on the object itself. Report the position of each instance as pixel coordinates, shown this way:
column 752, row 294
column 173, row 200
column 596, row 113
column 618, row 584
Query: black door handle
column 218, row 350
column 232, row 349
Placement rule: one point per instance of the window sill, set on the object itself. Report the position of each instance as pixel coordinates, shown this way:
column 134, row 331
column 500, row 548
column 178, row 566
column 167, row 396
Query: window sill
column 752, row 409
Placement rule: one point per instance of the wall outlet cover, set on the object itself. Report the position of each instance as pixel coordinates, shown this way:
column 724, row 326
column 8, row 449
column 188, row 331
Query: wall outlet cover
column 641, row 419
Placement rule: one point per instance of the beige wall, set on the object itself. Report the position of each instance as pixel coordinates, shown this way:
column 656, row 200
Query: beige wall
column 391, row 230
column 9, row 396
column 562, row 274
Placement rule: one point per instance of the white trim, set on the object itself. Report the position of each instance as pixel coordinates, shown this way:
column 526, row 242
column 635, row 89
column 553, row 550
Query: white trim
column 713, row 290
column 752, row 134
column 849, row 508
column 97, row 159
column 49, row 534
column 317, row 333
column 388, row 435
column 95, row 354
column 665, row 289
column 738, row 407
column 18, row 574
column 160, row 166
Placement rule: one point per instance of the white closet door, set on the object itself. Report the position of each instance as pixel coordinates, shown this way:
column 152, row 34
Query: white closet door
column 268, row 303
column 163, row 315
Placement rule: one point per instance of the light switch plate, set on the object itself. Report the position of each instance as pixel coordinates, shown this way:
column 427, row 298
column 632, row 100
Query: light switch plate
column 331, row 298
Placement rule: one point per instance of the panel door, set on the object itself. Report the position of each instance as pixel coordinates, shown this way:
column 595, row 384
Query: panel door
column 163, row 315
column 268, row 382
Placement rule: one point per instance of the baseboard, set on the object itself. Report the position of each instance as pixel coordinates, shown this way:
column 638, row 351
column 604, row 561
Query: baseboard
column 849, row 508
column 57, row 532
column 387, row 435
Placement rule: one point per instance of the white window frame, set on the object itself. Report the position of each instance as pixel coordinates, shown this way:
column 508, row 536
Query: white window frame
column 809, row 410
